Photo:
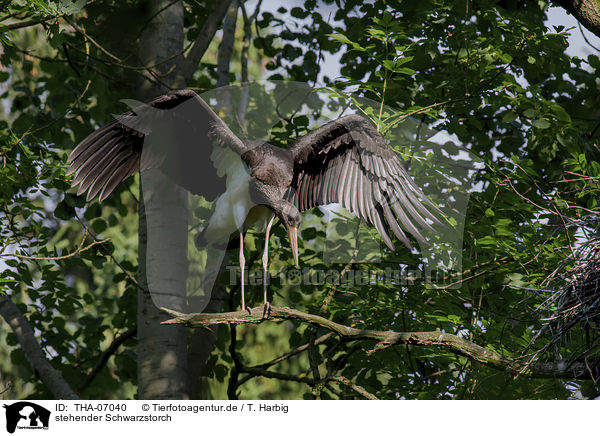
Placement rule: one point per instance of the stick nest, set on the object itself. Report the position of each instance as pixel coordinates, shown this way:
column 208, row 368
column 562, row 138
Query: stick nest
column 575, row 318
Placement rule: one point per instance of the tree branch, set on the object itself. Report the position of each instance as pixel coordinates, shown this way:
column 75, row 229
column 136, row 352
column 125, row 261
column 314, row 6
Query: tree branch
column 33, row 353
column 22, row 24
column 587, row 12
column 201, row 43
column 277, row 375
column 112, row 348
column 225, row 51
column 457, row 345
column 281, row 358
column 93, row 41
column 358, row 389
column 79, row 250
column 247, row 35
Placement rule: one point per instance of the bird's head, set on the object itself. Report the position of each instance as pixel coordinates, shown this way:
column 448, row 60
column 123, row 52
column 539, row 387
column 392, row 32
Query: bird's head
column 291, row 218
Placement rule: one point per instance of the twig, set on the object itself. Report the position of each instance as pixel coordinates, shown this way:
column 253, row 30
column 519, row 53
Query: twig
column 561, row 216
column 294, row 352
column 138, row 70
column 585, row 38
column 449, row 285
column 110, row 254
column 42, row 58
column 507, row 180
column 7, row 387
column 278, row 375
column 79, row 250
column 112, row 348
column 434, row 105
column 283, row 357
column 93, row 41
column 356, row 388
column 68, row 58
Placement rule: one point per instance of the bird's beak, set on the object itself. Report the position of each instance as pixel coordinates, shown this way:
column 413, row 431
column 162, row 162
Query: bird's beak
column 293, row 235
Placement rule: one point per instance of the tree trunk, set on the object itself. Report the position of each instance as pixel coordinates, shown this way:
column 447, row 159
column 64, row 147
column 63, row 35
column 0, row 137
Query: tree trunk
column 202, row 341
column 162, row 351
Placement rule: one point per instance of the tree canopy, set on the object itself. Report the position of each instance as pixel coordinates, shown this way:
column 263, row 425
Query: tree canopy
column 517, row 320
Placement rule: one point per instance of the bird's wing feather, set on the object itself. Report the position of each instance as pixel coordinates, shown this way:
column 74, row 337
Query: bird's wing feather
column 175, row 132
column 348, row 162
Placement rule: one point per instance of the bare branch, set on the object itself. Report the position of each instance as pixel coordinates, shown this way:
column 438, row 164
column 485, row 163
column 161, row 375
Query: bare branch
column 425, row 109
column 33, row 352
column 295, row 351
column 79, row 250
column 201, row 43
column 278, row 375
column 109, row 254
column 112, row 348
column 247, row 35
column 281, row 358
column 455, row 344
column 93, row 41
column 226, row 47
column 356, row 388
column 588, row 42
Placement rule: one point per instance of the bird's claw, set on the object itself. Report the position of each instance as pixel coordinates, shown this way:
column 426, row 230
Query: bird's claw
column 267, row 309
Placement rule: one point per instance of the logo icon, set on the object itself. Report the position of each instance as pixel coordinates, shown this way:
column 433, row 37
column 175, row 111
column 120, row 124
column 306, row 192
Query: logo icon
column 26, row 415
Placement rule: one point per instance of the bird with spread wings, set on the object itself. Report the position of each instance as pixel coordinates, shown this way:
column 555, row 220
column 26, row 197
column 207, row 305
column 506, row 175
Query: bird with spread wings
column 346, row 161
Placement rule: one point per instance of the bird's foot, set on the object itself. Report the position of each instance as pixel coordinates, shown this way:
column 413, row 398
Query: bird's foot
column 266, row 309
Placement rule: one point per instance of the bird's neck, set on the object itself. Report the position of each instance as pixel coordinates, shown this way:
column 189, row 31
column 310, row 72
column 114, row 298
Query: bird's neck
column 279, row 206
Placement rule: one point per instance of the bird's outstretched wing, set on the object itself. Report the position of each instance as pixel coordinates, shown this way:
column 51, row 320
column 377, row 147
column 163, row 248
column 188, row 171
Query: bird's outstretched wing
column 175, row 132
column 348, row 162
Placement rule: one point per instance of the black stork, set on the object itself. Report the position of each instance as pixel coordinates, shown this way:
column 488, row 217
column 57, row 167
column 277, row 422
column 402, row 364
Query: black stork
column 346, row 161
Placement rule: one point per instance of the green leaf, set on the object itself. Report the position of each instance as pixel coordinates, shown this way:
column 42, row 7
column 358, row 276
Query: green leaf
column 99, row 226
column 299, row 12
column 340, row 38
column 541, row 123
column 70, row 7
column 487, row 241
column 63, row 211
column 405, row 70
column 509, row 117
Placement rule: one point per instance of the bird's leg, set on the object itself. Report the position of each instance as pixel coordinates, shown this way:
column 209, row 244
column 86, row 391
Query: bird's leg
column 242, row 266
column 265, row 260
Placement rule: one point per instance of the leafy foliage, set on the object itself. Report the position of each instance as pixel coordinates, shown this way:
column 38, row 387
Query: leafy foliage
column 493, row 77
